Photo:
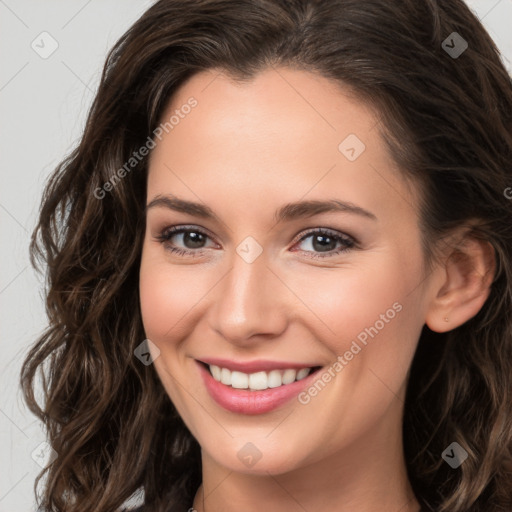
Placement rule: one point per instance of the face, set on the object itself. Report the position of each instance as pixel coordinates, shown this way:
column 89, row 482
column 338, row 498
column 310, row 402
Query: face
column 301, row 255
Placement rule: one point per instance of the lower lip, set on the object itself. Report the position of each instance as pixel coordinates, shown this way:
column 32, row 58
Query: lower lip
column 252, row 402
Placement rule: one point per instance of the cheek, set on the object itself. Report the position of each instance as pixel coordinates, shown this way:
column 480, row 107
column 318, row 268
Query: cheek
column 373, row 323
column 164, row 297
column 350, row 303
column 171, row 294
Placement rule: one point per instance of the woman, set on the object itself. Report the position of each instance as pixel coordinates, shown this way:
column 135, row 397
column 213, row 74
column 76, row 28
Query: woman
column 280, row 265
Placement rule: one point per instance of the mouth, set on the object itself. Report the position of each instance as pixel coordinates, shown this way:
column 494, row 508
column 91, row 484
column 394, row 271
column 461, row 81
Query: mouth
column 255, row 392
column 261, row 380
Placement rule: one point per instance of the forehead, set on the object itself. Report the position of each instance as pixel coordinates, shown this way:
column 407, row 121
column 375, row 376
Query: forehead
column 284, row 130
column 273, row 99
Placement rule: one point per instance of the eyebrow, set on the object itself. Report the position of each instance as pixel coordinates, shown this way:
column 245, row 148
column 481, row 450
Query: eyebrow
column 288, row 212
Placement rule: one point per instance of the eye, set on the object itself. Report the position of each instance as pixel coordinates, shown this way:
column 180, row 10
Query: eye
column 192, row 238
column 325, row 241
column 320, row 242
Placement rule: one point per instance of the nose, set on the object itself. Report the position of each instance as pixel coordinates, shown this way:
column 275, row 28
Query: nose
column 250, row 303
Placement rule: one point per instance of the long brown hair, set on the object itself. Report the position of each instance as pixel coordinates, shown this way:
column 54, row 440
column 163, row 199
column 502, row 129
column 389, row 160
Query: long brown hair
column 447, row 122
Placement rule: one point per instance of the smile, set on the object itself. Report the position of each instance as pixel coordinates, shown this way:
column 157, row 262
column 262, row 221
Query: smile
column 259, row 380
column 254, row 392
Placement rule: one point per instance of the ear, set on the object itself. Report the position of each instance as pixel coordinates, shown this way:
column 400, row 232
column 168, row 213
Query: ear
column 463, row 285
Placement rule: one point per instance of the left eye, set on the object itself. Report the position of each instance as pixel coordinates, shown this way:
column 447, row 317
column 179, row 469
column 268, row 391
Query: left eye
column 325, row 241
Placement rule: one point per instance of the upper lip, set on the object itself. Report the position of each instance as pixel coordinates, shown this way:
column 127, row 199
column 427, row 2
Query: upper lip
column 259, row 365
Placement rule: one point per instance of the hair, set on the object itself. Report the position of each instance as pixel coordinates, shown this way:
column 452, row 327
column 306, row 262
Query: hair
column 447, row 123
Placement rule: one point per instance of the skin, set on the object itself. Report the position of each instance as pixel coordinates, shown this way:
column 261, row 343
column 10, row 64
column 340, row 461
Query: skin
column 245, row 150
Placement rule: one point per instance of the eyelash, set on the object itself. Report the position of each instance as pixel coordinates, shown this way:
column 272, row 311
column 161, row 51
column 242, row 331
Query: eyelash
column 167, row 233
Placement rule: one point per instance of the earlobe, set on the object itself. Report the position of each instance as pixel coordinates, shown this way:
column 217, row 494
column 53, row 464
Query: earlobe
column 464, row 285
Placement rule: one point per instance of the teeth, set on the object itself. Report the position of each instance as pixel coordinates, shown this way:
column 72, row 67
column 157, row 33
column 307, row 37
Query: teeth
column 259, row 380
column 216, row 372
column 289, row 376
column 274, row 379
column 225, row 376
column 302, row 373
column 239, row 380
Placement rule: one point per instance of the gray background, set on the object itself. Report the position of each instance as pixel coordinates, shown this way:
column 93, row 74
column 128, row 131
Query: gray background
column 43, row 104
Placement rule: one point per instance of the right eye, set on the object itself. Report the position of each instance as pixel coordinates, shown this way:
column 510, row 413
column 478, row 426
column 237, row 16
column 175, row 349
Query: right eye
column 189, row 236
